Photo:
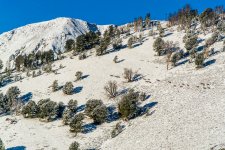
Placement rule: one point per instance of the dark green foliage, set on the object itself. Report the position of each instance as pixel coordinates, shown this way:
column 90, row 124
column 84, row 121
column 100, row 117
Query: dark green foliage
column 99, row 114
column 191, row 43
column 199, row 60
column 72, row 105
column 159, row 46
column 68, row 88
column 74, row 146
column 76, row 123
column 70, row 45
column 69, row 113
column 49, row 110
column 55, row 86
column 78, row 75
column 30, row 110
column 4, row 104
column 13, row 102
column 174, row 58
column 34, row 61
column 91, row 105
column 87, row 41
column 2, row 147
column 45, row 109
column 1, row 65
column 128, row 105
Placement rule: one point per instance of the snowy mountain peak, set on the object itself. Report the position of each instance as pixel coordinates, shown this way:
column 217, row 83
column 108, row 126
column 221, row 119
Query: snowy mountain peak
column 44, row 36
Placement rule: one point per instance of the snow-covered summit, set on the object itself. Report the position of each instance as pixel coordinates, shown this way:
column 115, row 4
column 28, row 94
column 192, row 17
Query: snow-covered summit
column 44, row 36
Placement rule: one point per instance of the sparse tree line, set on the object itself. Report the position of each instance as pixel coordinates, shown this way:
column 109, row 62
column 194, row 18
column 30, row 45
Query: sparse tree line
column 187, row 19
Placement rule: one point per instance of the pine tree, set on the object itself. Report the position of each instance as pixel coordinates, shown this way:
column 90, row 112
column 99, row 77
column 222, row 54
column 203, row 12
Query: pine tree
column 70, row 45
column 2, row 147
column 74, row 146
column 159, row 46
column 1, row 65
column 55, row 86
column 99, row 114
column 68, row 88
column 76, row 123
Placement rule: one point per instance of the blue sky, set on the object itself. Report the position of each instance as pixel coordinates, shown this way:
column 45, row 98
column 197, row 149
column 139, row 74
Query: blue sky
column 16, row 13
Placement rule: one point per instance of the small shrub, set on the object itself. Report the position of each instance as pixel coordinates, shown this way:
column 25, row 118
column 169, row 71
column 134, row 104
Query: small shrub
column 115, row 59
column 82, row 56
column 78, row 75
column 55, row 86
column 159, row 46
column 128, row 105
column 49, row 110
column 91, row 105
column 130, row 42
column 30, row 110
column 128, row 75
column 67, row 116
column 142, row 96
column 111, row 89
column 2, row 147
column 174, row 58
column 99, row 114
column 68, row 88
column 74, row 146
column 117, row 130
column 199, row 60
column 72, row 105
column 76, row 123
column 191, row 43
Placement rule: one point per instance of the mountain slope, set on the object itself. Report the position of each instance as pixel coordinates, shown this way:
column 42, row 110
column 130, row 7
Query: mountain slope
column 44, row 36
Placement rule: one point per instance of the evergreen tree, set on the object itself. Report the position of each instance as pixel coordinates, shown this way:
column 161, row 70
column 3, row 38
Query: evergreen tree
column 2, row 147
column 68, row 88
column 91, row 105
column 159, row 46
column 76, row 123
column 30, row 110
column 1, row 65
column 199, row 60
column 128, row 105
column 74, row 146
column 55, row 86
column 70, row 45
column 99, row 114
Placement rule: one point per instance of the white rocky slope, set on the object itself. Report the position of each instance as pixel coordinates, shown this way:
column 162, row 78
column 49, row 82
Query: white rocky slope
column 44, row 36
column 187, row 106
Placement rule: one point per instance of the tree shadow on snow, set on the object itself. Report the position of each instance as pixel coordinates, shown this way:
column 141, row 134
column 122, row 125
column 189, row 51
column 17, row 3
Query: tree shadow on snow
column 77, row 90
column 210, row 62
column 17, row 148
column 85, row 76
column 182, row 62
column 88, row 128
column 112, row 114
column 143, row 110
column 6, row 82
column 27, row 97
column 81, row 108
